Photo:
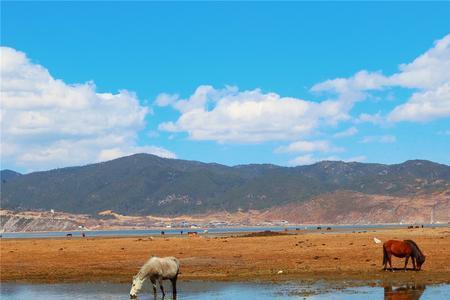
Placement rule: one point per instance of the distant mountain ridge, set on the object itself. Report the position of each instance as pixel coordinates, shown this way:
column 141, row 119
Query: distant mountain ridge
column 8, row 174
column 144, row 184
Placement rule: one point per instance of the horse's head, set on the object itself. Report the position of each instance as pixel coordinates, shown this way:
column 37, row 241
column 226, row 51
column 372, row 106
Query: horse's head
column 420, row 260
column 136, row 286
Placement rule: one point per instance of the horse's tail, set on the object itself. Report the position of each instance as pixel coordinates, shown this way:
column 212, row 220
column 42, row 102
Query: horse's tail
column 385, row 256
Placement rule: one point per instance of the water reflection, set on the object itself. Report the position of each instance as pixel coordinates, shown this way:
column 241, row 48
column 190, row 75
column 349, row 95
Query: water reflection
column 407, row 292
column 207, row 290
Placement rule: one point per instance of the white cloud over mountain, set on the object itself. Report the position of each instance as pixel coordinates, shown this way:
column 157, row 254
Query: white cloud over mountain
column 231, row 115
column 424, row 106
column 428, row 76
column 346, row 133
column 309, row 146
column 308, row 159
column 384, row 139
column 49, row 123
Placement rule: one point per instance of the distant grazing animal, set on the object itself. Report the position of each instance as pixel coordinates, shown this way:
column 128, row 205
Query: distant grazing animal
column 406, row 249
column 157, row 269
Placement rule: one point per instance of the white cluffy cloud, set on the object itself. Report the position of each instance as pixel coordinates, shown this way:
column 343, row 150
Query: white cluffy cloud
column 428, row 75
column 230, row 115
column 309, row 159
column 346, row 133
column 308, row 146
column 385, row 139
column 49, row 123
column 424, row 106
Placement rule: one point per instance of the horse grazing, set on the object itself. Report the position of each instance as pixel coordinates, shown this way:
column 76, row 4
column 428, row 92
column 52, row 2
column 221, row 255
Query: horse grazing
column 404, row 249
column 157, row 269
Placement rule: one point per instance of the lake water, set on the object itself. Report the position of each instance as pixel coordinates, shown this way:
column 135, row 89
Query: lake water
column 202, row 290
column 224, row 230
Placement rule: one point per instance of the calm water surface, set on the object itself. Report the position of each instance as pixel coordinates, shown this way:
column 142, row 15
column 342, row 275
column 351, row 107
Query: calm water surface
column 203, row 290
column 224, row 230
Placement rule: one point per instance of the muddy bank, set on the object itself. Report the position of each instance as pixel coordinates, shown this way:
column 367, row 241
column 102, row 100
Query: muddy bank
column 302, row 256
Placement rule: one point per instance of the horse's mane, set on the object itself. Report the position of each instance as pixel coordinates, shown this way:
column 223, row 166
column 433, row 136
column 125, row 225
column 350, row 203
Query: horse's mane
column 144, row 269
column 416, row 249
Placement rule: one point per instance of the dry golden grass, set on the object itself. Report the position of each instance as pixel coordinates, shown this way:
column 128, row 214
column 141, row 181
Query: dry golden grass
column 302, row 256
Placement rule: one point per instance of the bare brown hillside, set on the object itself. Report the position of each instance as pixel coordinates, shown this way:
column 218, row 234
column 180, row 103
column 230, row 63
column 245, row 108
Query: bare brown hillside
column 356, row 208
column 342, row 207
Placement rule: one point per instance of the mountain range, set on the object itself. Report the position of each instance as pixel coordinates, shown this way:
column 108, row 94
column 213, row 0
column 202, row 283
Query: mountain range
column 144, row 184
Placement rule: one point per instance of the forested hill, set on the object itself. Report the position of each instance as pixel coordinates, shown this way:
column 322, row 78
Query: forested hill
column 6, row 175
column 147, row 184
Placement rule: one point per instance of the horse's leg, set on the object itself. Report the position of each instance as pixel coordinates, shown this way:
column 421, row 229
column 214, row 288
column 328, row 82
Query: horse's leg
column 161, row 287
column 385, row 257
column 414, row 263
column 390, row 261
column 406, row 262
column 154, row 287
column 174, row 287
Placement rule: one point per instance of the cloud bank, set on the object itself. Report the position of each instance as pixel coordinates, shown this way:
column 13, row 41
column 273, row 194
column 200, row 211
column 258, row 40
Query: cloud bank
column 428, row 76
column 49, row 123
column 231, row 115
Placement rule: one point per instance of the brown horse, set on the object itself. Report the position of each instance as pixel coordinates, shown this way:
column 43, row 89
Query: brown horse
column 402, row 249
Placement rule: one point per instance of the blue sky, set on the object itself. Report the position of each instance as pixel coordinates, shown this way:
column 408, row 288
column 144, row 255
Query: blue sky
column 231, row 83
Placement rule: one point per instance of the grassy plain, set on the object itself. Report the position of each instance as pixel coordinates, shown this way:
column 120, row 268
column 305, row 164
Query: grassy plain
column 308, row 256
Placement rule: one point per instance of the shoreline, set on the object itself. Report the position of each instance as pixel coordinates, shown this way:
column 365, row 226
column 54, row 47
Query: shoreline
column 302, row 256
column 29, row 222
column 228, row 229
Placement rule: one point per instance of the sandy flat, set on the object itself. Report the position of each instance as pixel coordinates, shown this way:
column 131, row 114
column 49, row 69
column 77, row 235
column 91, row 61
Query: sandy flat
column 301, row 255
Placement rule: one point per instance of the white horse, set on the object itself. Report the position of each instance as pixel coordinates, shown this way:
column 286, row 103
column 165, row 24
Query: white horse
column 157, row 269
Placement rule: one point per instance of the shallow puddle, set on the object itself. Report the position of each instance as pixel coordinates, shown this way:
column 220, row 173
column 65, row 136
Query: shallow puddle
column 223, row 290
